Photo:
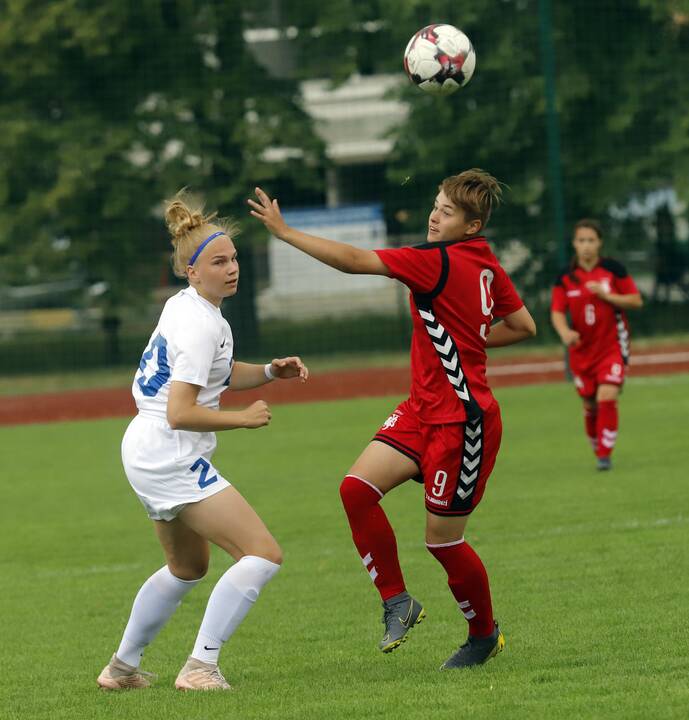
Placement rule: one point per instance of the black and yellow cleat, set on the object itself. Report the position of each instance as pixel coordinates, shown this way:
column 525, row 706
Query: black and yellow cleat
column 400, row 614
column 476, row 651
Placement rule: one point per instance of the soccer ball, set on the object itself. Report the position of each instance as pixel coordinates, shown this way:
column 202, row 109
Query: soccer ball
column 439, row 59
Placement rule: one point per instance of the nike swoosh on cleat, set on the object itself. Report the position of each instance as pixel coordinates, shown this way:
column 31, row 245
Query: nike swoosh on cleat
column 407, row 620
column 205, row 647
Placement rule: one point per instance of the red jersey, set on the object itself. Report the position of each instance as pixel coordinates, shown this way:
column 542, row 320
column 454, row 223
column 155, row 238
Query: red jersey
column 602, row 327
column 457, row 287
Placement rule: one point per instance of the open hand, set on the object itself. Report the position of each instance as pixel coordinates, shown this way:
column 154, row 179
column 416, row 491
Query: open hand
column 289, row 367
column 268, row 212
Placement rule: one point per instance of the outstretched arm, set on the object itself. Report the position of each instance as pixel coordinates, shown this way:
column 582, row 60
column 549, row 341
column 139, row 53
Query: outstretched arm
column 513, row 328
column 338, row 255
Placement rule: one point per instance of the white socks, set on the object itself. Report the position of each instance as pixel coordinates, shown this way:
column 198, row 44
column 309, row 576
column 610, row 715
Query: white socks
column 230, row 601
column 158, row 598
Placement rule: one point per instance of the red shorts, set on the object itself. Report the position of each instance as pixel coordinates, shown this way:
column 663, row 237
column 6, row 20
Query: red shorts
column 607, row 371
column 455, row 459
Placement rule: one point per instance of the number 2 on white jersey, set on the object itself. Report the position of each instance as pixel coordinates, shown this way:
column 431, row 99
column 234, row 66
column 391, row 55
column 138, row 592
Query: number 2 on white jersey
column 485, row 280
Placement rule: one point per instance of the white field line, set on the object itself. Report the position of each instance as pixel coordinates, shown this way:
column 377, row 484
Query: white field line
column 660, row 358
column 559, row 365
column 591, row 528
column 44, row 573
column 526, row 368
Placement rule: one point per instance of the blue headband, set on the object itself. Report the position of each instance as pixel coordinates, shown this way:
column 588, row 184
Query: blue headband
column 203, row 245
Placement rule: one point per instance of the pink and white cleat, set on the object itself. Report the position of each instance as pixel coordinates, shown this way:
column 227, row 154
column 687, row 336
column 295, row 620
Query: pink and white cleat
column 117, row 675
column 197, row 675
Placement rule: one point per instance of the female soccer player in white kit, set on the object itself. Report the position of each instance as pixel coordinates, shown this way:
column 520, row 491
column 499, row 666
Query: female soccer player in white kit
column 167, row 454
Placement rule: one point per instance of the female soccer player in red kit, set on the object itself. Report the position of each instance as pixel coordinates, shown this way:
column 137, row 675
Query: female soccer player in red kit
column 596, row 291
column 449, row 429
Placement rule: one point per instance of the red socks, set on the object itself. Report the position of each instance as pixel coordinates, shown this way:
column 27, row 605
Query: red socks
column 375, row 541
column 590, row 419
column 468, row 582
column 372, row 535
column 606, row 427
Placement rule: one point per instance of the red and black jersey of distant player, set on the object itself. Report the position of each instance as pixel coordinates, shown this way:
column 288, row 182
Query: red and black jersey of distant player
column 457, row 288
column 602, row 327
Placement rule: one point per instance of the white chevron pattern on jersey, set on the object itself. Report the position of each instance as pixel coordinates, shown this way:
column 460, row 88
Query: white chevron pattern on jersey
column 471, row 458
column 622, row 337
column 448, row 353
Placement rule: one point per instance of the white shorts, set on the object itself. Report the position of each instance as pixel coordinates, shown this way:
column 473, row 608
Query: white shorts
column 169, row 469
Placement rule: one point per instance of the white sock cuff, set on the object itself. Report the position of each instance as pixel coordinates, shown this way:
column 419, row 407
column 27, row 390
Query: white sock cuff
column 166, row 582
column 447, row 544
column 250, row 574
column 366, row 482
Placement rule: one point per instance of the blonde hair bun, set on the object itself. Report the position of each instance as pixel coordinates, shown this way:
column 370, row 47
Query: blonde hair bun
column 189, row 226
column 184, row 213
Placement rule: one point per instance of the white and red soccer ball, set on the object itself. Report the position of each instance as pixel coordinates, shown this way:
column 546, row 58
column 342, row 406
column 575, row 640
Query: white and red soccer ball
column 439, row 59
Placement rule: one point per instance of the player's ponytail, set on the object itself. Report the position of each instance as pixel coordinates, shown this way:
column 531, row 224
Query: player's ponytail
column 189, row 226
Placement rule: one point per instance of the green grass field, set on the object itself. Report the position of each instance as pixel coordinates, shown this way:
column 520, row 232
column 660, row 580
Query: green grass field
column 589, row 573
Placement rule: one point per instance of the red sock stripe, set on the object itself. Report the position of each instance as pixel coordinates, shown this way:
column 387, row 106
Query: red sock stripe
column 468, row 582
column 606, row 428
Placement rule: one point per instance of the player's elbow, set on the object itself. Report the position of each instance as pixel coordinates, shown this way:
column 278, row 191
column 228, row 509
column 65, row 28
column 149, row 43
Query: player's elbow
column 522, row 322
column 527, row 328
column 174, row 417
column 355, row 261
column 362, row 262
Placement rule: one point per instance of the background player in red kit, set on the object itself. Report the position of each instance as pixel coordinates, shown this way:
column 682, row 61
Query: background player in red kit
column 595, row 291
column 449, row 429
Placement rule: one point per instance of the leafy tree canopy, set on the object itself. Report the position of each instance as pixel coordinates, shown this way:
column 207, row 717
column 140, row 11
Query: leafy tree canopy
column 105, row 109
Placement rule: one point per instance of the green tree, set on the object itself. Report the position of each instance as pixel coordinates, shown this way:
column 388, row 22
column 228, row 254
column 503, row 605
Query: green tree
column 107, row 109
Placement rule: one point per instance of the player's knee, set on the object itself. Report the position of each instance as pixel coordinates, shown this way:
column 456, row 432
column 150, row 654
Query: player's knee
column 355, row 493
column 274, row 555
column 268, row 549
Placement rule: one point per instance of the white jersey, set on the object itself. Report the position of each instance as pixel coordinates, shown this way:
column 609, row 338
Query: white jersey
column 192, row 343
column 167, row 468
